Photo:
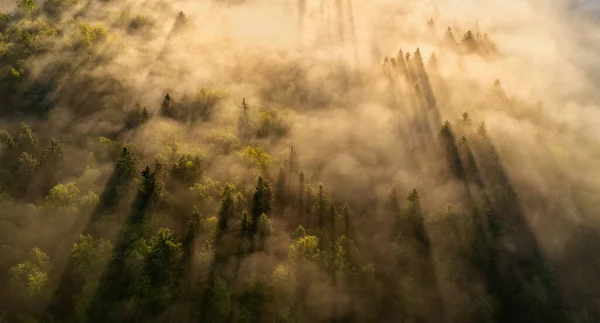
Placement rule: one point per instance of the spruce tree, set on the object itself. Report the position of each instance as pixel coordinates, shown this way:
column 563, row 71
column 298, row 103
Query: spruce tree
column 167, row 106
column 449, row 38
column 262, row 201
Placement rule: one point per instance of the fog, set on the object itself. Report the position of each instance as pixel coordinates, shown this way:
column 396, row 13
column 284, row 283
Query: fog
column 325, row 78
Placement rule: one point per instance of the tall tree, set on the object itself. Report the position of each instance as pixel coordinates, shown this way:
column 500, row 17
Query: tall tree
column 262, row 200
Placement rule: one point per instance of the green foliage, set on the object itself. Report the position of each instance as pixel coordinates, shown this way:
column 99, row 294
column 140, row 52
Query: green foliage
column 271, row 123
column 255, row 156
column 27, row 6
column 7, row 139
column 126, row 165
column 305, row 248
column 187, row 168
column 225, row 141
column 53, row 153
column 167, row 106
column 63, row 196
column 90, row 255
column 29, row 278
column 27, row 164
column 164, row 255
column 28, row 140
column 206, row 190
column 262, row 200
column 205, row 102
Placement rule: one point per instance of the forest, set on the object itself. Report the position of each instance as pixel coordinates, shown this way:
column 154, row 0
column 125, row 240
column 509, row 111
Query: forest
column 299, row 161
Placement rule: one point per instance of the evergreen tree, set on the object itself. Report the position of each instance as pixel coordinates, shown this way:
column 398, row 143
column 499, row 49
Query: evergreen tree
column 448, row 143
column 167, row 107
column 469, row 42
column 262, row 200
column 418, row 63
column 449, row 38
column 265, row 229
column 144, row 116
column 244, row 127
column 433, row 62
column 414, row 216
column 125, row 167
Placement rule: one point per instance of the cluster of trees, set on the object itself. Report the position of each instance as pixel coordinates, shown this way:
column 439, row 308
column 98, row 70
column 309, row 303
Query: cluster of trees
column 93, row 229
column 470, row 42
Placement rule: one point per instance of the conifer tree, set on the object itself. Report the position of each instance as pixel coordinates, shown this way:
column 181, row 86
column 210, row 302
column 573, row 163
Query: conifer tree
column 262, row 200
column 449, row 38
column 144, row 116
column 167, row 106
column 244, row 127
column 433, row 62
column 448, row 142
column 469, row 42
column 418, row 63
column 125, row 166
column 415, row 218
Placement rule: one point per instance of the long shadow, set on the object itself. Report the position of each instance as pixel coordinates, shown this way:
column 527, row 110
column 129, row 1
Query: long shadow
column 509, row 268
column 61, row 304
column 418, row 91
column 218, row 268
column 114, row 283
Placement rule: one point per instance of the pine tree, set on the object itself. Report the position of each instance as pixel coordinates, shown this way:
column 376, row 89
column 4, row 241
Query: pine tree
column 433, row 62
column 469, row 42
column 246, row 225
column 144, row 116
column 265, row 229
column 244, row 129
column 415, row 217
column 449, row 38
column 431, row 24
column 227, row 212
column 126, row 164
column 167, row 106
column 262, row 201
column 180, row 21
column 448, row 143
